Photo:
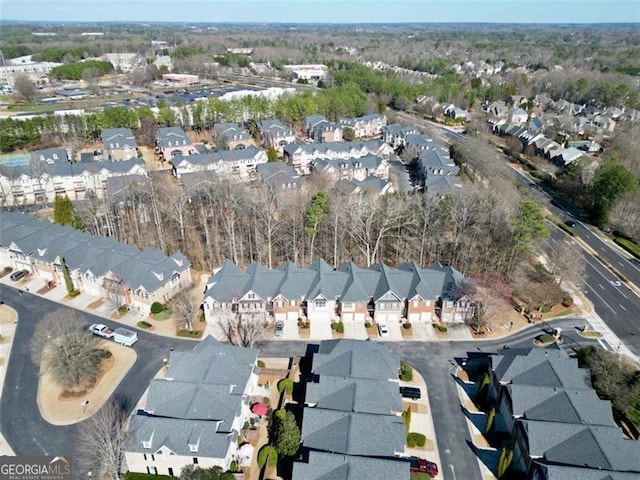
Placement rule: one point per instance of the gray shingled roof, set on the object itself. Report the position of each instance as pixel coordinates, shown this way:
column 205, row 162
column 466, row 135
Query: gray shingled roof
column 196, row 402
column 355, row 358
column 212, row 362
column 149, row 269
column 368, row 161
column 557, row 405
column 453, row 280
column 398, row 282
column 50, row 154
column 176, row 435
column 165, row 135
column 352, row 433
column 360, row 284
column 359, row 395
column 330, row 466
column 426, row 284
column 559, row 472
column 122, row 136
column 276, row 128
column 582, row 445
column 278, row 174
column 296, row 282
column 193, row 401
column 347, row 283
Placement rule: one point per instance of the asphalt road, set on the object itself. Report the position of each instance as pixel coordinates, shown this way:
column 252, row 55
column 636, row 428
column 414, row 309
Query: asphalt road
column 20, row 421
column 618, row 306
column 29, row 434
column 436, row 362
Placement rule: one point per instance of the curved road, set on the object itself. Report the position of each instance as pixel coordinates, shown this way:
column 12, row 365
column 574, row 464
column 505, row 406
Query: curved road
column 436, row 362
column 20, row 420
column 29, row 434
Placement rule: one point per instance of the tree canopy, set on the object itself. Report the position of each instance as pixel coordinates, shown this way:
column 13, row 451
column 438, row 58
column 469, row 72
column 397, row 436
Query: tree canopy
column 610, row 181
column 286, row 434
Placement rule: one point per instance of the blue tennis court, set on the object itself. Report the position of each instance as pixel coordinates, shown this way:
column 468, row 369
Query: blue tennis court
column 15, row 159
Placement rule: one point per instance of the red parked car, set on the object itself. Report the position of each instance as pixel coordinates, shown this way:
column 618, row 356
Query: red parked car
column 425, row 466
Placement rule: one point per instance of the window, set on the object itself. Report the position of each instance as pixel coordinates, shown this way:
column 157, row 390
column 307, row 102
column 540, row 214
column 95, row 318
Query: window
column 245, row 306
column 144, row 455
column 415, row 304
column 55, row 156
column 279, row 303
column 321, row 303
column 195, row 460
column 251, row 296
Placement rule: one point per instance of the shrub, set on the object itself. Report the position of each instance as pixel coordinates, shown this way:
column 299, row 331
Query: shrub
column 156, row 307
column 416, row 439
column 260, row 364
column 233, row 467
column 266, row 400
column 567, row 300
column 189, row 333
column 545, row 338
column 74, row 293
column 490, row 417
column 123, row 309
column 286, row 385
column 340, row 327
column 73, row 394
column 629, row 246
column 367, row 324
column 566, row 228
column 202, row 317
column 143, row 324
column 406, row 325
column 267, row 456
column 406, row 417
column 5, row 271
column 406, row 372
column 545, row 309
column 334, row 325
column 106, row 353
column 440, row 327
column 245, row 426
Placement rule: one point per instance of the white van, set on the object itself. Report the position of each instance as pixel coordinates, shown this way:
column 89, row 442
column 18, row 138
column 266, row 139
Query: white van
column 124, row 336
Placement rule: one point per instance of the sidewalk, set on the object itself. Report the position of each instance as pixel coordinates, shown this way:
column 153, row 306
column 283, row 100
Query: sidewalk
column 422, row 422
column 8, row 320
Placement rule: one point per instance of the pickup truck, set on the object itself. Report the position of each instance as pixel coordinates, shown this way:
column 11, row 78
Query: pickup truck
column 101, row 330
column 424, row 466
column 412, row 393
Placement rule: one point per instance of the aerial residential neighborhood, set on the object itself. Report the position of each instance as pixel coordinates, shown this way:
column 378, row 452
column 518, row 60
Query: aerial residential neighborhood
column 328, row 242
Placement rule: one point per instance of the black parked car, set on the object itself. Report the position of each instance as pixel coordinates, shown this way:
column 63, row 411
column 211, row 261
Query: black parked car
column 412, row 393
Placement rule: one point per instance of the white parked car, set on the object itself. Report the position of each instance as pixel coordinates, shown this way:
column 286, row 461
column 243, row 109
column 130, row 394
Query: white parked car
column 383, row 331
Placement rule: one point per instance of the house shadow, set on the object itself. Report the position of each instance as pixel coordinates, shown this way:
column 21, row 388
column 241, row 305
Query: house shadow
column 488, row 456
column 478, row 419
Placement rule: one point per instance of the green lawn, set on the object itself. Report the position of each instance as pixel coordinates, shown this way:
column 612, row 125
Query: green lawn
column 146, row 476
column 419, row 476
column 163, row 315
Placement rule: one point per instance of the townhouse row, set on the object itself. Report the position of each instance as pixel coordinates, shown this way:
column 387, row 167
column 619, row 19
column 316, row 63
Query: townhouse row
column 349, row 293
column 548, row 414
column 99, row 266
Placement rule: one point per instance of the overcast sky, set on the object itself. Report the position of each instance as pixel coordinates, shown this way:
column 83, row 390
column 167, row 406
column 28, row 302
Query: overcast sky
column 326, row 11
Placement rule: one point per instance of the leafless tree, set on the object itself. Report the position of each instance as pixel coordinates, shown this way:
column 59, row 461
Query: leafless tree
column 102, row 439
column 184, row 309
column 62, row 347
column 566, row 264
column 487, row 291
column 240, row 329
column 24, row 87
column 115, row 294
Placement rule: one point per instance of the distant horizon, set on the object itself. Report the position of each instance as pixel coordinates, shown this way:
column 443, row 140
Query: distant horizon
column 166, row 22
column 324, row 12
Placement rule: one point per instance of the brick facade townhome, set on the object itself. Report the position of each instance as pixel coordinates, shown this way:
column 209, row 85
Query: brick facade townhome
column 97, row 265
column 321, row 293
